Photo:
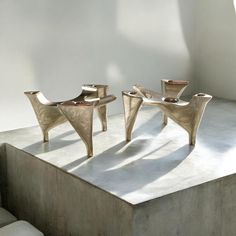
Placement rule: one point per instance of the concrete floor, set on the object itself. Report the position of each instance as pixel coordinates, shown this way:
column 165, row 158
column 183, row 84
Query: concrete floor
column 156, row 163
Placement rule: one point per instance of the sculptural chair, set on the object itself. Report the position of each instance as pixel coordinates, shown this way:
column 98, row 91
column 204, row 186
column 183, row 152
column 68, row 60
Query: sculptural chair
column 50, row 116
column 187, row 114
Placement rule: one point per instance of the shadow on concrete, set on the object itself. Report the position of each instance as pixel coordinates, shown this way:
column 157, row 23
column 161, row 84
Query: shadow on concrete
column 54, row 143
column 145, row 127
column 135, row 146
column 129, row 167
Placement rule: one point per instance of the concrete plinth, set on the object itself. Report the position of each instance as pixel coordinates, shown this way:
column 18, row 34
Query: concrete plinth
column 155, row 185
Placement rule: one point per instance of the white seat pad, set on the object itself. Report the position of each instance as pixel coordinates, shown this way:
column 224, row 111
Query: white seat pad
column 20, row 228
column 6, row 217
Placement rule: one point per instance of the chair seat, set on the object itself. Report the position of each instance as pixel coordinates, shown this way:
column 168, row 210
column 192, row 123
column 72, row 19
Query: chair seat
column 6, row 217
column 20, row 228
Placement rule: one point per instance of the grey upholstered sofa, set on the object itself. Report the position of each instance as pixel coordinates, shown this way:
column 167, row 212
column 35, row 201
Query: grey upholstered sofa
column 9, row 226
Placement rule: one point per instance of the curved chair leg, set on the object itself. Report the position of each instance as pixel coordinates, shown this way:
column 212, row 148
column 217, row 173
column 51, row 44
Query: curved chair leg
column 102, row 114
column 131, row 108
column 192, row 138
column 81, row 118
column 48, row 116
column 188, row 116
column 45, row 136
column 165, row 119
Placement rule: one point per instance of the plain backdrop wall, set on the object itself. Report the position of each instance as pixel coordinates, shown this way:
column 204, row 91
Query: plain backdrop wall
column 215, row 67
column 55, row 46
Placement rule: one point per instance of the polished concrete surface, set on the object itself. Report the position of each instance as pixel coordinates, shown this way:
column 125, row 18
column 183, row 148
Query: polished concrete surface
column 158, row 160
column 155, row 185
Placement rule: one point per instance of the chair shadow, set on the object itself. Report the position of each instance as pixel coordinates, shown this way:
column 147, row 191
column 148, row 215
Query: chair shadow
column 151, row 126
column 102, row 158
column 132, row 148
column 137, row 173
column 54, row 143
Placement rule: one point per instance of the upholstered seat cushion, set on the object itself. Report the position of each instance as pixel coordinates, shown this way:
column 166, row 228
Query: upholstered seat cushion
column 6, row 217
column 20, row 228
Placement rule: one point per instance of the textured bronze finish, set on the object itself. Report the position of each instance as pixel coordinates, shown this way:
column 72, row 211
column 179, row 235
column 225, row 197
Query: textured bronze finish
column 78, row 111
column 173, row 88
column 187, row 114
column 80, row 116
column 184, row 82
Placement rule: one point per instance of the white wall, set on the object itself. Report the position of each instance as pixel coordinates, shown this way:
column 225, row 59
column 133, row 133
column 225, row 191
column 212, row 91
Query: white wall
column 215, row 68
column 55, row 46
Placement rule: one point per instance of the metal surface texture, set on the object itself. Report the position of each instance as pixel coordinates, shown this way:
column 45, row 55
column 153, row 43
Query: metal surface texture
column 78, row 111
column 172, row 89
column 80, row 116
column 186, row 114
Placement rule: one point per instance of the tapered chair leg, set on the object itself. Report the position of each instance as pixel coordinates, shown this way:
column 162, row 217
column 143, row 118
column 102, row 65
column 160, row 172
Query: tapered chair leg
column 48, row 116
column 45, row 136
column 131, row 107
column 192, row 138
column 165, row 119
column 81, row 118
column 102, row 114
column 188, row 116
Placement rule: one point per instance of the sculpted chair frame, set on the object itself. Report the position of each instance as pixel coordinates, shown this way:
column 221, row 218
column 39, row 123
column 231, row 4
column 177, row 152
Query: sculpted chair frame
column 187, row 114
column 78, row 111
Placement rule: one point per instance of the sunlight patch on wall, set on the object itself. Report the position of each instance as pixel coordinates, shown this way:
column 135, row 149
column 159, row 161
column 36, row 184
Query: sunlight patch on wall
column 156, row 25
